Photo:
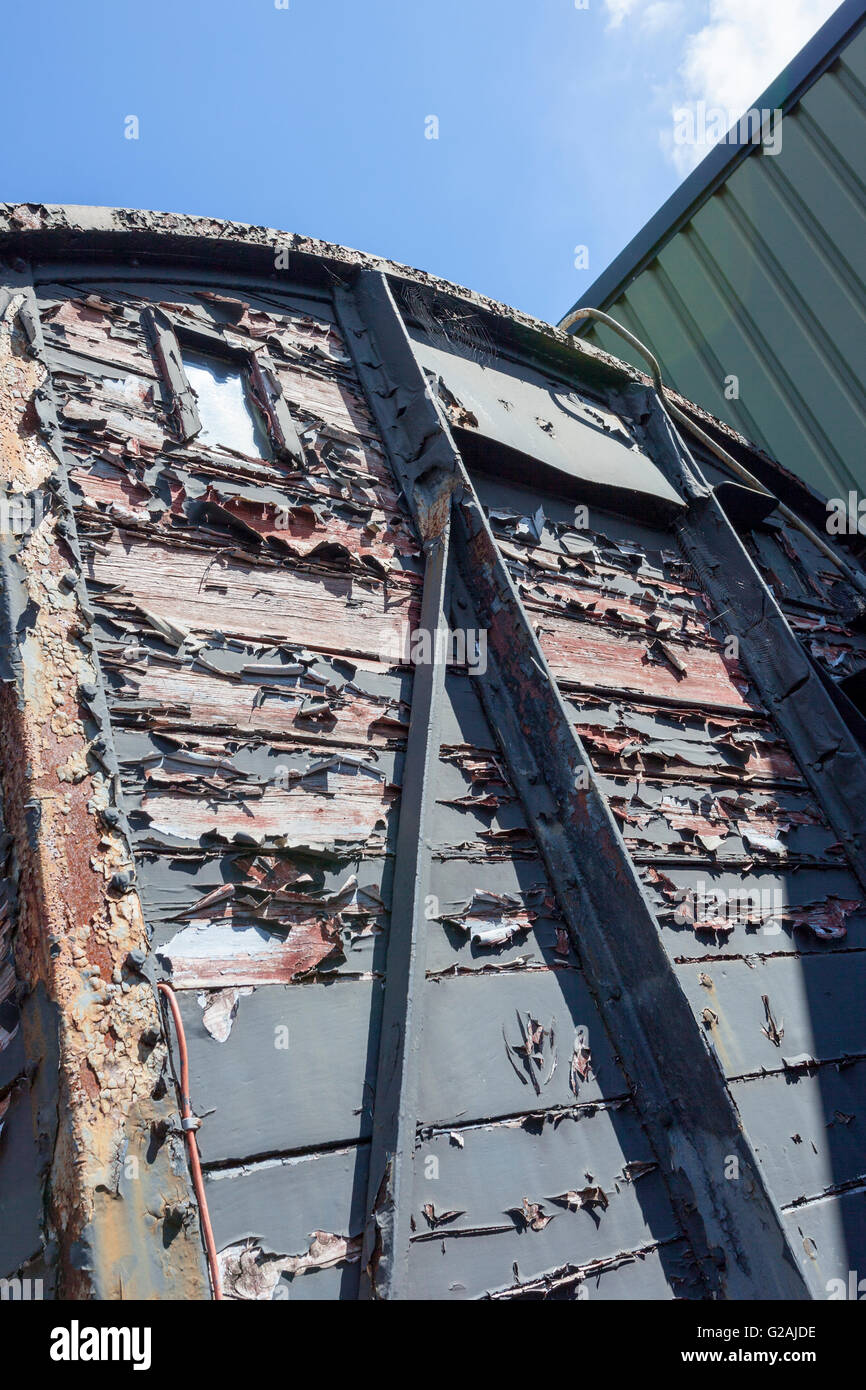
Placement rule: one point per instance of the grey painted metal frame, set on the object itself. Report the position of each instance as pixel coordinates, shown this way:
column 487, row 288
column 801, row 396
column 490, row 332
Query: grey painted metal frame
column 678, row 1087
column 831, row 758
column 385, row 1252
column 181, row 397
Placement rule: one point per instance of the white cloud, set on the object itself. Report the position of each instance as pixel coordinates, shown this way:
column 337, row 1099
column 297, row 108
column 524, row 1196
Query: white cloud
column 655, row 16
column 618, row 11
column 731, row 60
column 662, row 14
column 745, row 45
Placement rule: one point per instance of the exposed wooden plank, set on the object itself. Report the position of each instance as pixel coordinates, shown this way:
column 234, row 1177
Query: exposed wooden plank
column 585, row 654
column 716, row 911
column 208, row 593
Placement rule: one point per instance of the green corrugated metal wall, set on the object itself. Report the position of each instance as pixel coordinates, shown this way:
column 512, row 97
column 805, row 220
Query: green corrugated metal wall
column 767, row 282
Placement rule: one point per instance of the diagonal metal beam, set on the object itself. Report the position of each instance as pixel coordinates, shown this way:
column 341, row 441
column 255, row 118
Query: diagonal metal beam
column 690, row 1118
column 828, row 752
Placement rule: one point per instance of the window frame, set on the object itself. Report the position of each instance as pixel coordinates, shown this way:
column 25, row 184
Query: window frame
column 168, row 335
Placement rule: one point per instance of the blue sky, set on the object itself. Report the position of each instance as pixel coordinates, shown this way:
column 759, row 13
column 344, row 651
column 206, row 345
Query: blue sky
column 554, row 121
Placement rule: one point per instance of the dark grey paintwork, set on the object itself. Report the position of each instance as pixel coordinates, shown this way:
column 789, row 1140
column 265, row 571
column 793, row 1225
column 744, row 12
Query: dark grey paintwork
column 830, row 1233
column 549, row 422
column 287, row 1097
column 284, row 1132
column 817, row 998
column 807, row 1127
column 322, row 1191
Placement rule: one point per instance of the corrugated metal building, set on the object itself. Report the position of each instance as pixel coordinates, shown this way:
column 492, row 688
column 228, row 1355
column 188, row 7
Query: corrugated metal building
column 390, row 689
column 755, row 269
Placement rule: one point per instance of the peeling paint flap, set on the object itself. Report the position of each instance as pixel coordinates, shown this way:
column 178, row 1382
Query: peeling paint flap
column 545, row 420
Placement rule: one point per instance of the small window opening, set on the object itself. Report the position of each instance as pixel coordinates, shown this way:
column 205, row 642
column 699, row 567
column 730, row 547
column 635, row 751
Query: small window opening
column 228, row 416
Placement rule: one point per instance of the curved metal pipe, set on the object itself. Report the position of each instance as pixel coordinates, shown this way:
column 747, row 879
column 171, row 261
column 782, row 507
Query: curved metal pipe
column 191, row 1141
column 675, row 415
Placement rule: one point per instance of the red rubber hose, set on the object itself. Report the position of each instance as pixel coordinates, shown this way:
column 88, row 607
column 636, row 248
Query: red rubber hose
column 192, row 1142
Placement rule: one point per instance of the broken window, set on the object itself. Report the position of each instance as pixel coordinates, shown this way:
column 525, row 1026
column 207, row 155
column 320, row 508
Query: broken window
column 219, row 394
column 228, row 417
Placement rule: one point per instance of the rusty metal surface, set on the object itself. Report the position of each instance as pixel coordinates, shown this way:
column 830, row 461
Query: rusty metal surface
column 118, row 1215
column 252, row 617
column 248, row 626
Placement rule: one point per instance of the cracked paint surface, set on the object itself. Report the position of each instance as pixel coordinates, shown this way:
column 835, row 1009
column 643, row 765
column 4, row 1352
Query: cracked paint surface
column 76, row 930
column 251, row 616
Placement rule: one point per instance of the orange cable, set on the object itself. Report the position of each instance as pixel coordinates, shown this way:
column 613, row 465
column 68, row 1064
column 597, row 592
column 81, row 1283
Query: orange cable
column 192, row 1142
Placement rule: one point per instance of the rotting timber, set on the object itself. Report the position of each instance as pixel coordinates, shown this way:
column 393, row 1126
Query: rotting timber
column 534, row 974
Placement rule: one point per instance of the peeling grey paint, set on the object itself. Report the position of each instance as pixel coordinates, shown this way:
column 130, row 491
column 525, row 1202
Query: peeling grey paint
column 250, row 616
